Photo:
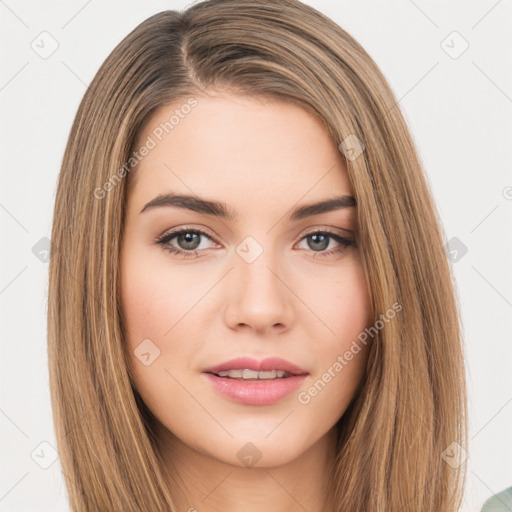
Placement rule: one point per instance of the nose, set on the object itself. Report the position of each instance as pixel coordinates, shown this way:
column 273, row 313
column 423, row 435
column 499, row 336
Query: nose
column 259, row 297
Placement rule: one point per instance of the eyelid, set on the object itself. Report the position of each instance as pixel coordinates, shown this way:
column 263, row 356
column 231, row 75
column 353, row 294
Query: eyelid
column 202, row 229
column 328, row 229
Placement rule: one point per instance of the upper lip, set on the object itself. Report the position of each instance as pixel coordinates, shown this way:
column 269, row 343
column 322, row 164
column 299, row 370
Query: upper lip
column 265, row 365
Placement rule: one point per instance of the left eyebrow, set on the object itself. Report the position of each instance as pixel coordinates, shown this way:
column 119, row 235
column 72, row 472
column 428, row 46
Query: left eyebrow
column 327, row 205
column 221, row 210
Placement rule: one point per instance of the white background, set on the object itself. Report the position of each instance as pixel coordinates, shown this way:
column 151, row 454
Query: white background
column 458, row 110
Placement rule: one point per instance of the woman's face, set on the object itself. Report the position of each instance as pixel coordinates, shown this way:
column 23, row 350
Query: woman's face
column 252, row 275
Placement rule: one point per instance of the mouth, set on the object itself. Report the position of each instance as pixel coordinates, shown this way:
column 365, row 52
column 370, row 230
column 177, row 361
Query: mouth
column 247, row 374
column 253, row 382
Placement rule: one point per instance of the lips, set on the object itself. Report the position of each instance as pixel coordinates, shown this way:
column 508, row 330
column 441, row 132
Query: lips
column 266, row 365
column 251, row 382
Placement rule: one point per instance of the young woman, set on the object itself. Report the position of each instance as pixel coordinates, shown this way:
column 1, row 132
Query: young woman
column 250, row 306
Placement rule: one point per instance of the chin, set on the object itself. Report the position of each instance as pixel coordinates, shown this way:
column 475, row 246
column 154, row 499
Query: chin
column 261, row 448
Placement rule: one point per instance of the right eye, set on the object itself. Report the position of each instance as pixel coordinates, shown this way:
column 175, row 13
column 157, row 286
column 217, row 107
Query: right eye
column 188, row 242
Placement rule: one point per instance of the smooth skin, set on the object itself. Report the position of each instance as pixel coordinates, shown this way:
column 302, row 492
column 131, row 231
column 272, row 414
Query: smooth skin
column 304, row 298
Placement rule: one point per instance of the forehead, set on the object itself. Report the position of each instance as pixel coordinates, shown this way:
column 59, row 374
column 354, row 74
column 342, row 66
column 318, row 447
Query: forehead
column 239, row 149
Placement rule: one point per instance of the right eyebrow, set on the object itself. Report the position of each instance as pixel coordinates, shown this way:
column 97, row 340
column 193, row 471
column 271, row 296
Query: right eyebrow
column 196, row 204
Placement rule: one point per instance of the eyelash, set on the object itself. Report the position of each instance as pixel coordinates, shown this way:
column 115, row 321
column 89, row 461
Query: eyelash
column 163, row 242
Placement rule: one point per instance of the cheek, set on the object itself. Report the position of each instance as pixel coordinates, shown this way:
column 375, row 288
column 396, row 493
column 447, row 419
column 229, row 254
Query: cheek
column 344, row 308
column 154, row 303
column 342, row 304
column 155, row 296
column 146, row 310
column 157, row 304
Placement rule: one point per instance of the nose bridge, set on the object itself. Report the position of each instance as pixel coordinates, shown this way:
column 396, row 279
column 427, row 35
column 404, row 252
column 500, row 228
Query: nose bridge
column 259, row 298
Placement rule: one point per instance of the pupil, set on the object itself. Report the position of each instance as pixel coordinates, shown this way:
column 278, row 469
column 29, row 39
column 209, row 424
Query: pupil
column 187, row 239
column 324, row 244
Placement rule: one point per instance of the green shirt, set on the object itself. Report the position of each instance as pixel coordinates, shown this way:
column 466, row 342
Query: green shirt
column 501, row 502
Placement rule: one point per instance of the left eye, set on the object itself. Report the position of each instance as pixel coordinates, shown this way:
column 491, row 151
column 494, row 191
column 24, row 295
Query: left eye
column 322, row 240
column 189, row 242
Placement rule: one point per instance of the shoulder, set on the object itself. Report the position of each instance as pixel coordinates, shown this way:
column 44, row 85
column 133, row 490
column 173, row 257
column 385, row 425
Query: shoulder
column 500, row 502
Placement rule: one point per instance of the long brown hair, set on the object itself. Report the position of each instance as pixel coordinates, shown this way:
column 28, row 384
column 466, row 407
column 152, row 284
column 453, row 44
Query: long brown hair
column 410, row 407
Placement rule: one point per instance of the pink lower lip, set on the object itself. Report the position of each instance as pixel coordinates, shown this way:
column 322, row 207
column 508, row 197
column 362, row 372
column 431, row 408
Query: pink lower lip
column 252, row 392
